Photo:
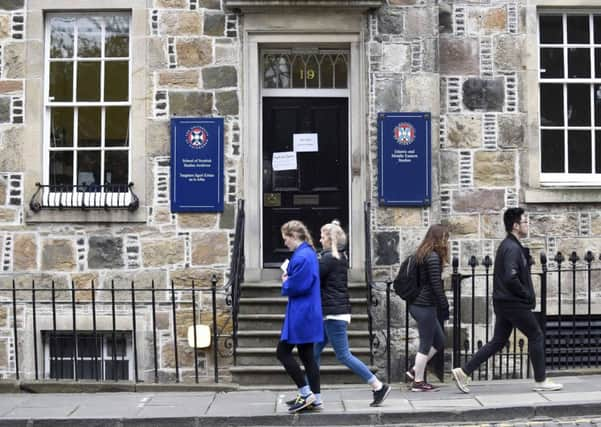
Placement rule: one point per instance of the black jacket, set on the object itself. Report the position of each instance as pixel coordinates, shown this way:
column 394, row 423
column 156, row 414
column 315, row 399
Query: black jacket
column 333, row 275
column 432, row 292
column 512, row 284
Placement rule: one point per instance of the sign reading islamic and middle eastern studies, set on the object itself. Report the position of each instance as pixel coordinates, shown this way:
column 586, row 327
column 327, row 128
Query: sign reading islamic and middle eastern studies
column 197, row 164
column 404, row 159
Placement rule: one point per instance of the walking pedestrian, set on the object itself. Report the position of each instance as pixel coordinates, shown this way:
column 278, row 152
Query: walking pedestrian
column 513, row 301
column 303, row 320
column 431, row 304
column 336, row 307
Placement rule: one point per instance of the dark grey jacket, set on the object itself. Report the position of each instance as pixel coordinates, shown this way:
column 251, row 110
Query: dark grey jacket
column 512, row 284
column 432, row 291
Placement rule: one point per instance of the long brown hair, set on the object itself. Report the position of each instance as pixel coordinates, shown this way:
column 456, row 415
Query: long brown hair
column 435, row 240
column 298, row 230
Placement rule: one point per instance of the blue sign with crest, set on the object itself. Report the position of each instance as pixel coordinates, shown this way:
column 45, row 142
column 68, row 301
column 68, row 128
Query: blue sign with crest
column 197, row 164
column 404, row 159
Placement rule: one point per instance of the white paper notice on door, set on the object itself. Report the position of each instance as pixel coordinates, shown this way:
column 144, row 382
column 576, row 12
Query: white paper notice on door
column 283, row 161
column 305, row 142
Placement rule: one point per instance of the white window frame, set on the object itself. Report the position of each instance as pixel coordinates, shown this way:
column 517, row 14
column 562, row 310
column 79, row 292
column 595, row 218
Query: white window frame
column 566, row 179
column 74, row 197
column 105, row 354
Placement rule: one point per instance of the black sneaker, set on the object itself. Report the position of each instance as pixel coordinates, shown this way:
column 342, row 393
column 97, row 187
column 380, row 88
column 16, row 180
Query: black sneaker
column 293, row 401
column 380, row 395
column 303, row 402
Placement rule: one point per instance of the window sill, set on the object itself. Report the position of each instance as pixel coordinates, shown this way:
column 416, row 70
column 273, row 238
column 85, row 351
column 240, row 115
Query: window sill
column 562, row 195
column 87, row 216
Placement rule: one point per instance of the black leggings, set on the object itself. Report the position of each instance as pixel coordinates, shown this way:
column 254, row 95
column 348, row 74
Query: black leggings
column 305, row 352
column 428, row 327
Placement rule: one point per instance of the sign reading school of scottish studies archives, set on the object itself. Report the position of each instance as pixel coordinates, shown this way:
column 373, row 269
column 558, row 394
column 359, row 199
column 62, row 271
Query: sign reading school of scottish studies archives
column 404, row 162
column 197, row 164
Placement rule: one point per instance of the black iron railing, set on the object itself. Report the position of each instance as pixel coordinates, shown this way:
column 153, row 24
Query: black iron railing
column 92, row 196
column 70, row 323
column 566, row 310
column 369, row 281
column 236, row 274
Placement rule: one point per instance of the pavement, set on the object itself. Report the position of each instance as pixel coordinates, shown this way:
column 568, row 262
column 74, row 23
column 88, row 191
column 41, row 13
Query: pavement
column 488, row 401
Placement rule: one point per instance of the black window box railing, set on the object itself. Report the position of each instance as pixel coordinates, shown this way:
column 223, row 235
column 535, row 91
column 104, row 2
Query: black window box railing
column 84, row 197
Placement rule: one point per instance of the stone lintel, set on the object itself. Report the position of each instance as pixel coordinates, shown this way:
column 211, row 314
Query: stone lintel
column 255, row 5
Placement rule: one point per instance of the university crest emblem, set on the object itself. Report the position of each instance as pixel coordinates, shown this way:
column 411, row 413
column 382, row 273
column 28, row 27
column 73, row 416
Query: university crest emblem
column 197, row 137
column 404, row 133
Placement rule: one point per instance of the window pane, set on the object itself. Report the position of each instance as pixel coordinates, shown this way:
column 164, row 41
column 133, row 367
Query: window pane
column 61, row 345
column 116, row 167
column 579, row 151
column 270, row 72
column 598, row 151
column 597, row 28
column 551, row 29
column 61, row 128
column 116, row 81
column 579, row 105
column 578, row 31
column 312, row 72
column 597, row 95
column 340, row 72
column 88, row 127
column 88, row 166
column 87, row 371
column 117, row 36
column 120, row 368
column 89, row 37
column 120, row 348
column 61, row 81
column 551, row 104
column 86, row 346
column 579, row 62
column 61, row 168
column 117, row 127
column 88, row 81
column 61, row 369
column 327, row 72
column 551, row 63
column 61, row 37
column 298, row 72
column 552, row 152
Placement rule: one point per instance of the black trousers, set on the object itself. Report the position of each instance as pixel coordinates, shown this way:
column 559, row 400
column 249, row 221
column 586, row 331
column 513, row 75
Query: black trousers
column 506, row 319
column 305, row 352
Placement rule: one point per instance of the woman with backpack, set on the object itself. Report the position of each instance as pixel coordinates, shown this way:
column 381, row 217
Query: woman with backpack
column 431, row 305
column 336, row 306
column 302, row 326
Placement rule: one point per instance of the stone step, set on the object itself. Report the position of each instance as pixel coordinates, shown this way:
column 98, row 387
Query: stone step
column 277, row 305
column 275, row 375
column 271, row 338
column 264, row 356
column 274, row 289
column 263, row 322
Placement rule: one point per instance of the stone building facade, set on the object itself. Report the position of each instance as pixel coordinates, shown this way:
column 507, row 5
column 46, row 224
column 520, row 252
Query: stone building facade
column 473, row 64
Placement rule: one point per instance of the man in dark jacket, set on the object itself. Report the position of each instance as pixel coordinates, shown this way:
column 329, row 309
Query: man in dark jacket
column 513, row 301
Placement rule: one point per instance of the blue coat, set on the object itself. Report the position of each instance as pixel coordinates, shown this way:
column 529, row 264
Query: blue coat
column 303, row 322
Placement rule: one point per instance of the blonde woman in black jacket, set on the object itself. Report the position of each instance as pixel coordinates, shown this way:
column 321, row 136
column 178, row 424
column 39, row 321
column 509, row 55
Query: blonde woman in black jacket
column 431, row 304
column 336, row 307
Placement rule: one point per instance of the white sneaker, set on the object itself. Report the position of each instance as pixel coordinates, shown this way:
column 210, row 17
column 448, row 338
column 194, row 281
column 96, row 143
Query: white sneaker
column 461, row 379
column 547, row 385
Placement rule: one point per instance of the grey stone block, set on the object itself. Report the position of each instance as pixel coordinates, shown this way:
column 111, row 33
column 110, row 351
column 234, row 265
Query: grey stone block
column 217, row 77
column 484, row 95
column 227, row 102
column 105, row 252
column 190, row 103
column 390, row 23
column 4, row 109
column 214, row 24
column 12, row 4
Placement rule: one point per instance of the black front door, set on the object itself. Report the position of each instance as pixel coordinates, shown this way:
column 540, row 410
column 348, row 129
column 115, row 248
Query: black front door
column 317, row 191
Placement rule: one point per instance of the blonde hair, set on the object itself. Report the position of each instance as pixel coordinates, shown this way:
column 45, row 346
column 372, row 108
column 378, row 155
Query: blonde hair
column 336, row 234
column 298, row 230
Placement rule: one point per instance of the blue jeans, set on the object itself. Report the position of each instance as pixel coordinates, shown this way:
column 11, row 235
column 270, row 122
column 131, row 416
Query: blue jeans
column 335, row 333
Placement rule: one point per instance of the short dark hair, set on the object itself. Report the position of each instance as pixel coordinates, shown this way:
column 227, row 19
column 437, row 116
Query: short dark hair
column 512, row 216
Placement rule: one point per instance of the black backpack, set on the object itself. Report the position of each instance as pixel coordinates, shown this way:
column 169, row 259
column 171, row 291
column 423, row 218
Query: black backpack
column 406, row 284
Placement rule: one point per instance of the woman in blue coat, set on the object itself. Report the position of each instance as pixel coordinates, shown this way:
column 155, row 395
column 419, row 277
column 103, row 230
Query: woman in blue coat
column 303, row 324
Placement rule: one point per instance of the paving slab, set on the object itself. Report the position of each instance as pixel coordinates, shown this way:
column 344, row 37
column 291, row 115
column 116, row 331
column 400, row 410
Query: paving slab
column 510, row 399
column 437, row 404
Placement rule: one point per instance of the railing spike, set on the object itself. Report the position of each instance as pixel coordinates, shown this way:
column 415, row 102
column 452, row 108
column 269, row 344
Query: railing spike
column 574, row 257
column 559, row 258
column 473, row 262
column 589, row 257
